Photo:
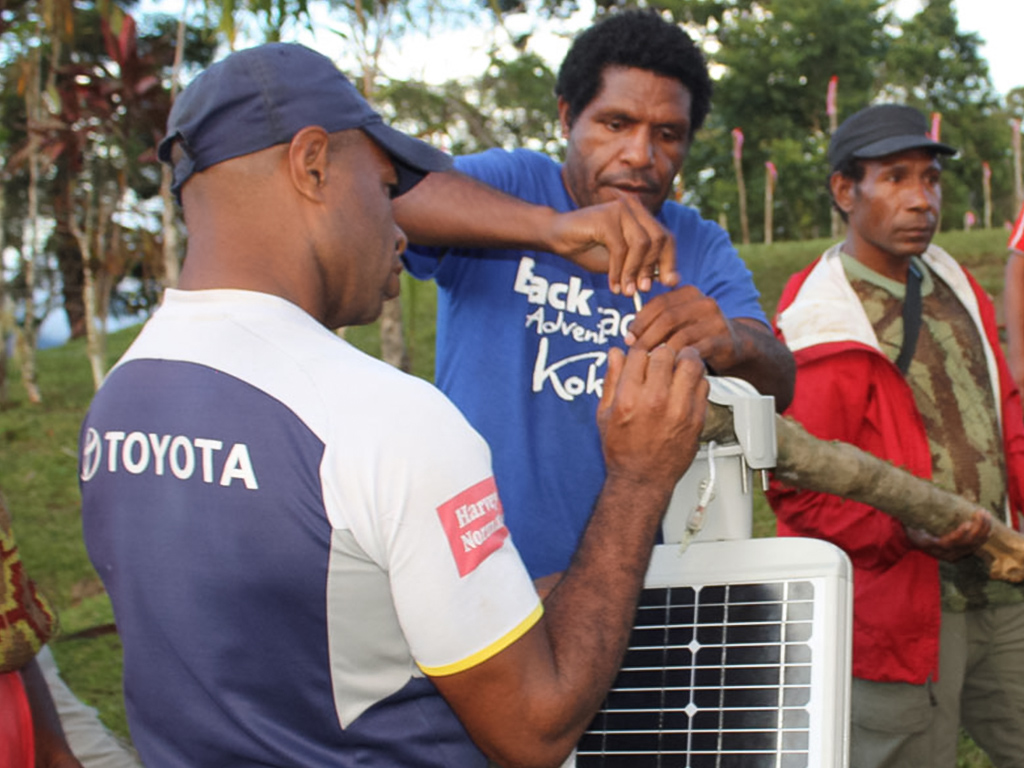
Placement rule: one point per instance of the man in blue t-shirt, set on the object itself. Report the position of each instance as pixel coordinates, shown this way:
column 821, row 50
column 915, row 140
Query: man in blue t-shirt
column 527, row 314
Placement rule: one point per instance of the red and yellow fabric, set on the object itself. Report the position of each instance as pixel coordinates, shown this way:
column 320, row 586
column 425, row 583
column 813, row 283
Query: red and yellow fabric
column 26, row 623
column 26, row 620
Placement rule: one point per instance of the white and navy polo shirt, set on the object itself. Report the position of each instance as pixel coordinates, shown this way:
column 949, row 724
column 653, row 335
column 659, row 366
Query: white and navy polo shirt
column 292, row 533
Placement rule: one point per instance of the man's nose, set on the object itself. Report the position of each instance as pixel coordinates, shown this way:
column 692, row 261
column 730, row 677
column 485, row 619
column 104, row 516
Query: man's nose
column 923, row 196
column 639, row 148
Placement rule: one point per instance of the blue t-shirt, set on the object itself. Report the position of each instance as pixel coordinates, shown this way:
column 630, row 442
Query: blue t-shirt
column 522, row 340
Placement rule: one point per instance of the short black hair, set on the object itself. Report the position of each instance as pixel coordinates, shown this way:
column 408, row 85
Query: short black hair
column 852, row 168
column 640, row 39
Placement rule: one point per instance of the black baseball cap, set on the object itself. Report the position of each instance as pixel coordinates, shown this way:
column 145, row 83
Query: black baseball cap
column 882, row 130
column 259, row 97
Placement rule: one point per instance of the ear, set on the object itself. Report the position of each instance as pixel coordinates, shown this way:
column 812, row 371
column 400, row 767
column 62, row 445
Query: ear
column 308, row 156
column 563, row 116
column 843, row 191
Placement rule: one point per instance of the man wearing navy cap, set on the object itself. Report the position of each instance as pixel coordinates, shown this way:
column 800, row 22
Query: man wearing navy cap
column 305, row 548
column 897, row 352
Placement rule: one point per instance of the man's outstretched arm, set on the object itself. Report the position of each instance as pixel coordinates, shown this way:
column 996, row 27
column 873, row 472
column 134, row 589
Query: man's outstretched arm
column 529, row 704
column 620, row 238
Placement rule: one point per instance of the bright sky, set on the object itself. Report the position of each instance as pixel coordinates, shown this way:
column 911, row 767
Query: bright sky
column 999, row 23
column 435, row 59
column 442, row 56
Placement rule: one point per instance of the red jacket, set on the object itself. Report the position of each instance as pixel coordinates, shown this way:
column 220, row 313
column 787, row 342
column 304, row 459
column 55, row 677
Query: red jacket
column 1016, row 242
column 847, row 389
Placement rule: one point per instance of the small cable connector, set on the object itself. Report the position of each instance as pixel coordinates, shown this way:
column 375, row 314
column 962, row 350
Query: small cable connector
column 695, row 522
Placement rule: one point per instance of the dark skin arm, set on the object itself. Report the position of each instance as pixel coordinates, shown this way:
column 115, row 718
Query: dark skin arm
column 620, row 238
column 529, row 704
column 52, row 750
column 962, row 541
column 740, row 347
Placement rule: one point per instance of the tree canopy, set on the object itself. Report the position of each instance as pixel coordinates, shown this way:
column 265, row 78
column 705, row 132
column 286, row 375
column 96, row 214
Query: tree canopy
column 104, row 83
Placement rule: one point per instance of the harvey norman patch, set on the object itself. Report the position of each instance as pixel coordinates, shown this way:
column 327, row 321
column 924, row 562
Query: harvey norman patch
column 475, row 524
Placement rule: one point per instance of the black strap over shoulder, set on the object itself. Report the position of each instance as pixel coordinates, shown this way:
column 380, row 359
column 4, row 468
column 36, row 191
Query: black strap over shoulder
column 911, row 318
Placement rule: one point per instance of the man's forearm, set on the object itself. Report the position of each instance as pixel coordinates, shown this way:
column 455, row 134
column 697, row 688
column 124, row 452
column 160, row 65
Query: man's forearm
column 552, row 681
column 606, row 575
column 528, row 704
column 618, row 238
column 453, row 209
column 589, row 613
column 765, row 362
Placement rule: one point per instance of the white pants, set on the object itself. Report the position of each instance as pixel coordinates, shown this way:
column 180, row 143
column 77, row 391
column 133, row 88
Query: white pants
column 89, row 739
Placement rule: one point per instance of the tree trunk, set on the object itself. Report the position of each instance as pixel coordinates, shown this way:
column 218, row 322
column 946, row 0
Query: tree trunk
column 171, row 247
column 393, row 349
column 6, row 309
column 836, row 220
column 741, row 188
column 172, row 262
column 370, row 29
column 6, row 334
column 86, row 238
column 30, row 247
column 811, row 464
column 69, row 260
column 1018, row 167
column 94, row 336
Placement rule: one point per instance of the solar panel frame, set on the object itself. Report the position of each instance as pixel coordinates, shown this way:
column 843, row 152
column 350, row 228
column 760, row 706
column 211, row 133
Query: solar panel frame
column 740, row 657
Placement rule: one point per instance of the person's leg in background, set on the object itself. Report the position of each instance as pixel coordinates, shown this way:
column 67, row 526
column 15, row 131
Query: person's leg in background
column 89, row 739
column 993, row 696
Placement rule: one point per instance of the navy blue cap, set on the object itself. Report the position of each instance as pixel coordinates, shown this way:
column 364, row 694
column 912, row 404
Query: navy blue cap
column 881, row 130
column 263, row 96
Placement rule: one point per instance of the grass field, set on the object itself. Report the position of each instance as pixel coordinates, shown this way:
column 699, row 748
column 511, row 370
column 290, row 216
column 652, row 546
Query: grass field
column 38, row 464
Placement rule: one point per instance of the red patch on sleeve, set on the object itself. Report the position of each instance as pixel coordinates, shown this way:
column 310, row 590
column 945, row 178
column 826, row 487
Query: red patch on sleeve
column 475, row 524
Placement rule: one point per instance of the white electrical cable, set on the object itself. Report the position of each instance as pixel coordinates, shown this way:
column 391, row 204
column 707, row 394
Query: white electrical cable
column 695, row 522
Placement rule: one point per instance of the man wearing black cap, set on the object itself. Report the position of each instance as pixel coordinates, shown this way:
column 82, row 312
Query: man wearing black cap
column 305, row 548
column 897, row 352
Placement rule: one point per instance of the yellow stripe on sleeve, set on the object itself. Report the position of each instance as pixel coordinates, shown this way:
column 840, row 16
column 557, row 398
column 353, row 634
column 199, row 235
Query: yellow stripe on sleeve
column 491, row 650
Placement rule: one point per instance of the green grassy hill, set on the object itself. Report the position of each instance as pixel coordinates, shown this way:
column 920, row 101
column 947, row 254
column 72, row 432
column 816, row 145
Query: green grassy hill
column 38, row 463
column 981, row 251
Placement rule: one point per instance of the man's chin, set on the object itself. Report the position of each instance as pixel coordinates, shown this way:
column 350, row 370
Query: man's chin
column 649, row 200
column 914, row 246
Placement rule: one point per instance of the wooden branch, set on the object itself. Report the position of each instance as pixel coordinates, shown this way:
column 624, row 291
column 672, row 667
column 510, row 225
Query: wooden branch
column 811, row 464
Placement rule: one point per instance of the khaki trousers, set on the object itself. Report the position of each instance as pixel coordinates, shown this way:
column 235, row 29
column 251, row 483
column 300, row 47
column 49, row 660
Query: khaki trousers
column 980, row 686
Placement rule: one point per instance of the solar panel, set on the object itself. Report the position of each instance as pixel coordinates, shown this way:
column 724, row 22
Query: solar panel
column 739, row 658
